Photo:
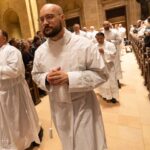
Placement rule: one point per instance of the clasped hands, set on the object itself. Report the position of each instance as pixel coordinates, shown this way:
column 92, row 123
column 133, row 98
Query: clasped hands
column 101, row 50
column 57, row 77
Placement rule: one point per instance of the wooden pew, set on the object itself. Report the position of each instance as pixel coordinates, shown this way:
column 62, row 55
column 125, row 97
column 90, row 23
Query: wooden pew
column 143, row 58
column 137, row 45
column 147, row 53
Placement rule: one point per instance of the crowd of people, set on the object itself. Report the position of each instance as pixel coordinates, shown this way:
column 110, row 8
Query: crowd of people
column 28, row 46
column 140, row 40
column 109, row 40
column 142, row 31
column 114, row 35
column 72, row 68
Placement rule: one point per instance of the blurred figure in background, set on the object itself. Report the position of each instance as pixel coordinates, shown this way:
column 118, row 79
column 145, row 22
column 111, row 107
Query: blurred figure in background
column 108, row 90
column 19, row 124
column 113, row 36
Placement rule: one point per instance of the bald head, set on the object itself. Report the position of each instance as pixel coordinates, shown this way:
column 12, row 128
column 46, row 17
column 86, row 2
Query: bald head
column 106, row 22
column 52, row 7
column 106, row 25
column 76, row 27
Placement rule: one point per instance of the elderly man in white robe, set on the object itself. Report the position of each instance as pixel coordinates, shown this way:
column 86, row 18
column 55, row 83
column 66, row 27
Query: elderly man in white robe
column 122, row 31
column 77, row 31
column 87, row 34
column 112, row 36
column 66, row 67
column 108, row 90
column 19, row 124
column 92, row 34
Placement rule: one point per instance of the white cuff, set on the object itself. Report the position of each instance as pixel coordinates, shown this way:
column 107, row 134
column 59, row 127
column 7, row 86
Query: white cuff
column 75, row 79
column 43, row 83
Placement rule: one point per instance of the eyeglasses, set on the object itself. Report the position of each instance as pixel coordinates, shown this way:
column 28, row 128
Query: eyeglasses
column 48, row 17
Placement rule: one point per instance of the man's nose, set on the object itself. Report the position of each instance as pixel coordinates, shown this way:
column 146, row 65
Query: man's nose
column 45, row 22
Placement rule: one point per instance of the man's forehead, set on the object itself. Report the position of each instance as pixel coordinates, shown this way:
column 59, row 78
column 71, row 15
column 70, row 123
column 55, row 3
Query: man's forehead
column 106, row 24
column 0, row 32
column 76, row 25
column 49, row 9
column 99, row 36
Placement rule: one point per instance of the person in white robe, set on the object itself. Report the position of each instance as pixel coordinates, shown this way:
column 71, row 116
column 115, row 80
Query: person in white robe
column 112, row 36
column 92, row 34
column 108, row 90
column 66, row 67
column 122, row 31
column 19, row 124
column 77, row 31
column 87, row 33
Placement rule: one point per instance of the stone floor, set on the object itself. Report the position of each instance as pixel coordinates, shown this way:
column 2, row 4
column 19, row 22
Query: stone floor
column 127, row 125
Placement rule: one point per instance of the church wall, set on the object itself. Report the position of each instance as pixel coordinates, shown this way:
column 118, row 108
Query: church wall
column 132, row 9
column 19, row 6
column 91, row 13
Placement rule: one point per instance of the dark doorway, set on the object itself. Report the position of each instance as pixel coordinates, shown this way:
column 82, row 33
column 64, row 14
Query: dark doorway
column 70, row 22
column 145, row 8
column 117, row 15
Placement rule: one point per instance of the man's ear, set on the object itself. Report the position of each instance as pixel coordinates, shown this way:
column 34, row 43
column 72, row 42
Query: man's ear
column 4, row 39
column 63, row 17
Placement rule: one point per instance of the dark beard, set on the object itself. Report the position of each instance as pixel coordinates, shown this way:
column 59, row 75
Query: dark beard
column 106, row 28
column 54, row 31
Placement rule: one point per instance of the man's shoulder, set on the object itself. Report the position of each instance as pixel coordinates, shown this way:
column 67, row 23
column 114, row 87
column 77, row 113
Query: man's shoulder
column 41, row 47
column 81, row 40
column 11, row 48
column 110, row 44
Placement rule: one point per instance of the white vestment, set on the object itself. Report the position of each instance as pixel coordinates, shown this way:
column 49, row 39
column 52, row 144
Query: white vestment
column 19, row 124
column 122, row 32
column 80, row 33
column 109, row 89
column 91, row 35
column 75, row 109
column 112, row 36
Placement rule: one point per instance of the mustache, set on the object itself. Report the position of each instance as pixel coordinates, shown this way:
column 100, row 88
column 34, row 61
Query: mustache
column 47, row 27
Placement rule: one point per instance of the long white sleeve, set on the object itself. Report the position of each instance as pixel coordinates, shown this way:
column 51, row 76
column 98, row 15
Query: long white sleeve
column 117, row 40
column 90, row 78
column 110, row 52
column 13, row 66
column 39, row 77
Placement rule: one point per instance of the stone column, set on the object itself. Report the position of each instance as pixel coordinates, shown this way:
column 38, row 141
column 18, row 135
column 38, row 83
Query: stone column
column 133, row 11
column 91, row 13
column 101, row 14
column 40, row 3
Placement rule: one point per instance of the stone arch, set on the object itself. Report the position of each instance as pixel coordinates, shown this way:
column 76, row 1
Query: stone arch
column 12, row 23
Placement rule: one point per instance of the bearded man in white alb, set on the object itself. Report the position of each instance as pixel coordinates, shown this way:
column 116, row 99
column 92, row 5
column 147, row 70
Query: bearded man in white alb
column 92, row 34
column 108, row 90
column 67, row 68
column 112, row 36
column 77, row 31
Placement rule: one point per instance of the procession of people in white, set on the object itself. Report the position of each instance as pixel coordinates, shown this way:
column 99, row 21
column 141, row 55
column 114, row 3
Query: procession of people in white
column 72, row 68
column 112, row 45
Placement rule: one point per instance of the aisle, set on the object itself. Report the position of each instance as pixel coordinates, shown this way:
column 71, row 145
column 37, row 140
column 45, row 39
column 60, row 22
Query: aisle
column 127, row 124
